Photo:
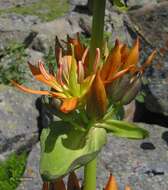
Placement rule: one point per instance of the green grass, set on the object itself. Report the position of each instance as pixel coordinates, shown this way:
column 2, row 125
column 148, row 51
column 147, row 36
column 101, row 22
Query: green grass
column 11, row 171
column 15, row 68
column 47, row 10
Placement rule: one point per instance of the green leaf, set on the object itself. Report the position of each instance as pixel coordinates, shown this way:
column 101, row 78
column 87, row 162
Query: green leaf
column 124, row 129
column 64, row 149
column 141, row 97
column 120, row 4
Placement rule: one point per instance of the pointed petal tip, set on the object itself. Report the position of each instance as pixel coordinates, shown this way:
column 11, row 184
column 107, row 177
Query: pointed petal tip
column 112, row 183
column 28, row 90
column 69, row 105
column 97, row 60
column 117, row 42
column 127, row 187
column 137, row 42
column 148, row 61
column 73, row 182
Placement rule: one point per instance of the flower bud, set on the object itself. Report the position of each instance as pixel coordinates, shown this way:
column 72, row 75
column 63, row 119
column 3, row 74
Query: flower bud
column 132, row 91
column 117, row 89
column 97, row 99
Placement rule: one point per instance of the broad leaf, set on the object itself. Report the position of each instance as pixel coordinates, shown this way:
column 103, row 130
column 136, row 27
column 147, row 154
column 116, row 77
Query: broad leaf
column 124, row 129
column 64, row 149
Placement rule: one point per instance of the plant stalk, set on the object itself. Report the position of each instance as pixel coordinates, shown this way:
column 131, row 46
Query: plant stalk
column 96, row 42
column 90, row 175
column 97, row 30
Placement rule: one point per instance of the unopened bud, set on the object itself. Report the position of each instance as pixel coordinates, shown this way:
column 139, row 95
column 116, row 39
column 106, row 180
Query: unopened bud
column 131, row 92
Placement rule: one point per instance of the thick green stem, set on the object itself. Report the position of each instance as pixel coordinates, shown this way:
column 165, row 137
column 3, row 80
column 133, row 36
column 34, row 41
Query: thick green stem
column 96, row 42
column 97, row 29
column 90, row 175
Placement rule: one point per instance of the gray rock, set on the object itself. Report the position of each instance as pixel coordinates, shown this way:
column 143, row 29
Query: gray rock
column 78, row 2
column 137, row 3
column 150, row 23
column 129, row 111
column 143, row 164
column 34, row 56
column 18, row 121
column 31, row 179
column 46, row 32
column 15, row 28
column 5, row 4
column 114, row 25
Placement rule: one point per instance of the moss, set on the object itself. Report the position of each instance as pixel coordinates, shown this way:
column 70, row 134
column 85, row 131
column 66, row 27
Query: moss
column 11, row 126
column 15, row 69
column 12, row 170
column 8, row 108
column 47, row 10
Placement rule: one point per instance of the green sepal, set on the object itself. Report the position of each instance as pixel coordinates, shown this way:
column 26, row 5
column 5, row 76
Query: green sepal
column 124, row 129
column 73, row 76
column 64, row 149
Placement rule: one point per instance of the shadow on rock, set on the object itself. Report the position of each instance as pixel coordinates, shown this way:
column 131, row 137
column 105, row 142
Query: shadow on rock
column 165, row 137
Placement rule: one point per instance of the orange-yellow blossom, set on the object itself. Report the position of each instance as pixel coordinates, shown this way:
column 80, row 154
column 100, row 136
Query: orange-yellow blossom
column 73, row 184
column 112, row 184
column 69, row 83
column 72, row 81
column 122, row 60
column 120, row 75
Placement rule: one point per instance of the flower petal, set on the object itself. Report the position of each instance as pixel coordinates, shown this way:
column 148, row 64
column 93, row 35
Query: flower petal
column 97, row 99
column 118, row 75
column 124, row 53
column 37, row 73
column 112, row 184
column 73, row 183
column 59, row 184
column 28, row 90
column 43, row 71
column 73, row 77
column 97, row 60
column 127, row 187
column 60, row 75
column 86, row 84
column 44, row 77
column 133, row 56
column 57, row 95
column 46, row 186
column 79, row 48
column 112, row 63
column 69, row 104
column 81, row 73
column 58, row 48
column 148, row 61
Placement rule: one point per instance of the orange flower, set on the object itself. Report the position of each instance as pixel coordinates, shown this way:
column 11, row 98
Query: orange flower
column 69, row 84
column 122, row 60
column 116, row 78
column 112, row 184
column 73, row 183
column 121, row 73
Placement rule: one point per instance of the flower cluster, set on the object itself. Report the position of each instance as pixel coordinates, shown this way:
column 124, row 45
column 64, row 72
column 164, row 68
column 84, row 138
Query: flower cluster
column 115, row 76
column 73, row 184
